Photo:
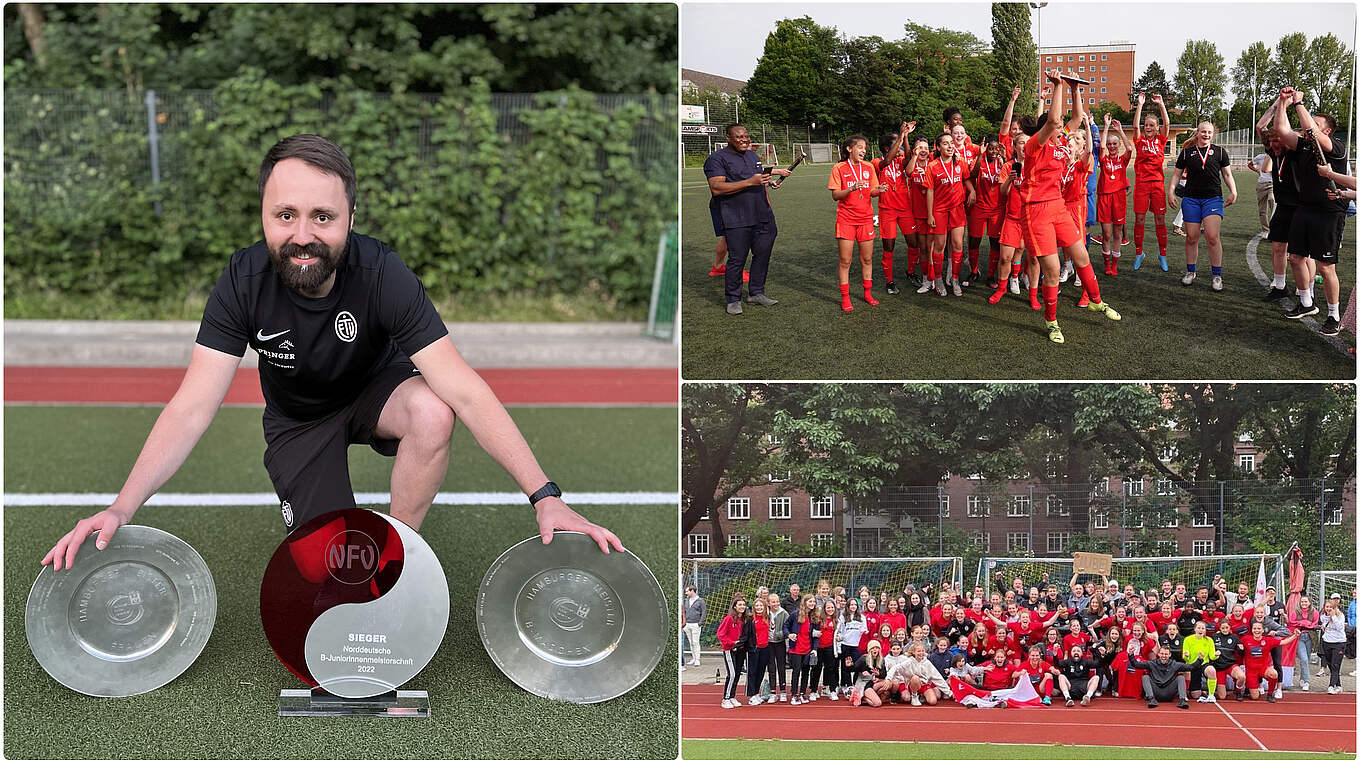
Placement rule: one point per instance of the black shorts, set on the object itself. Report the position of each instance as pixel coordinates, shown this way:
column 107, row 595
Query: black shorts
column 1077, row 688
column 1316, row 233
column 308, row 461
column 1280, row 222
column 718, row 230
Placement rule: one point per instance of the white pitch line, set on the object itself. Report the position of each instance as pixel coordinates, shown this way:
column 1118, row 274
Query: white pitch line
column 497, row 498
column 1249, row 734
column 1264, row 279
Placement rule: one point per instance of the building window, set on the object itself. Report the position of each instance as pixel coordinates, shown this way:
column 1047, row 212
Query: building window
column 980, row 540
column 1165, row 488
column 1081, row 58
column 1099, row 519
column 1168, row 452
column 1048, row 59
column 1168, row 548
column 1102, row 90
column 1102, row 100
column 822, row 539
column 1017, row 542
column 1332, row 514
column 1093, row 101
column 738, row 508
column 944, row 505
column 1069, row 58
column 1101, row 487
column 1246, row 462
column 1129, row 548
column 739, row 540
column 866, row 544
column 779, row 477
column 1202, row 547
column 697, row 543
column 1201, row 519
column 781, row 507
column 1057, row 542
column 1133, row 486
column 822, row 506
column 1102, row 79
column 1053, row 503
column 979, row 506
column 1104, row 57
column 783, row 538
column 1134, row 522
column 1051, row 462
column 1171, row 519
column 975, row 476
column 1018, row 506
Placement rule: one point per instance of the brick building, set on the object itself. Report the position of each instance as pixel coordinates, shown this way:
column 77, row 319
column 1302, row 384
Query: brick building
column 1015, row 518
column 1110, row 68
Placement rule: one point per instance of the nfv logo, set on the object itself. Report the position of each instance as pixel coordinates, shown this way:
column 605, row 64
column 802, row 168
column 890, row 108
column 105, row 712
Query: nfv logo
column 352, row 557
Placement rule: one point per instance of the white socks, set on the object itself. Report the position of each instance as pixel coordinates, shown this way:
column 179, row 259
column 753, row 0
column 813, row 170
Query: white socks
column 1305, row 297
column 1334, row 310
column 1278, row 282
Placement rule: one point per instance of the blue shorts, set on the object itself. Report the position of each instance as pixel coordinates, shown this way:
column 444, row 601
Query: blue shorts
column 718, row 230
column 1197, row 209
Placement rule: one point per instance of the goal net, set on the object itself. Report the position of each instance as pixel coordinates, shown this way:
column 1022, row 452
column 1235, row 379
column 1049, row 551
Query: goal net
column 1143, row 572
column 1324, row 583
column 717, row 580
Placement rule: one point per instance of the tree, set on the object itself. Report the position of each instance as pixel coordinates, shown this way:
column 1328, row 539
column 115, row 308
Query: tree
column 1327, row 75
column 723, row 430
column 872, row 103
column 942, row 68
column 1291, row 53
column 763, row 542
column 1116, row 113
column 1199, row 80
column 1014, row 55
column 1304, row 432
column 794, row 80
column 1251, row 76
column 1153, row 80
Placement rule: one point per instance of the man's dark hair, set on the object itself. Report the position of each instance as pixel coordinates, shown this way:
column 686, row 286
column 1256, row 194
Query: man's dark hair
column 949, row 113
column 318, row 153
column 1325, row 119
column 728, row 129
column 1031, row 125
column 690, row 588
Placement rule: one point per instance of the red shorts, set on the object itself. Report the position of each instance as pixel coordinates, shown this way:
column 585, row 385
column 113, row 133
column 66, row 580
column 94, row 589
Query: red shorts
column 891, row 219
column 1147, row 195
column 1047, row 226
column 949, row 219
column 1112, row 208
column 859, row 232
column 1011, row 234
column 1077, row 210
column 1254, row 676
column 985, row 223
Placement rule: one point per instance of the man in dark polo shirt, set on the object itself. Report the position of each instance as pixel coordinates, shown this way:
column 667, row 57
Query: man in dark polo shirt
column 1315, row 232
column 738, row 182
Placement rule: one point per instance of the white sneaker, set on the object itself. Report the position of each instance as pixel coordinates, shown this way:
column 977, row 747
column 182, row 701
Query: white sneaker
column 1188, row 278
column 783, row 697
column 1211, row 699
column 1279, row 693
column 1332, row 690
column 958, row 291
column 1217, row 282
column 728, row 704
column 926, row 286
column 1066, row 273
column 1024, row 281
column 813, row 696
column 1085, row 700
column 1305, row 686
column 834, row 697
column 1015, row 287
column 916, row 700
column 754, row 701
column 939, row 286
column 1202, row 700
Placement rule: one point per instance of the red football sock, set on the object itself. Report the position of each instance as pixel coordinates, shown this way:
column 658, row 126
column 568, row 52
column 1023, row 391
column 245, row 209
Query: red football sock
column 973, row 254
column 956, row 259
column 869, row 293
column 1048, row 688
column 845, row 297
column 887, row 265
column 1051, row 301
column 993, row 258
column 913, row 254
column 1088, row 281
column 996, row 296
column 937, row 265
column 1034, row 297
column 1161, row 239
column 1138, row 238
column 1015, row 268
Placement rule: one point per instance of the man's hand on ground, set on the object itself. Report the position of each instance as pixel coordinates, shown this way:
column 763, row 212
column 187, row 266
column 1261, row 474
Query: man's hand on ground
column 106, row 522
column 554, row 514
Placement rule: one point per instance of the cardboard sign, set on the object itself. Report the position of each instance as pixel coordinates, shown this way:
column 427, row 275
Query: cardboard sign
column 1091, row 562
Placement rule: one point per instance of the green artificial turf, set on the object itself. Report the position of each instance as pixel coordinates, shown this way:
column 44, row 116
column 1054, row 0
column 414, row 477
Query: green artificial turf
column 1168, row 332
column 224, row 705
column 744, row 749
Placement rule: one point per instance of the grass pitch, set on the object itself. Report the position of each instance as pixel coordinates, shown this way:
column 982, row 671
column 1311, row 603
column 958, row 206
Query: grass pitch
column 224, row 705
column 1168, row 331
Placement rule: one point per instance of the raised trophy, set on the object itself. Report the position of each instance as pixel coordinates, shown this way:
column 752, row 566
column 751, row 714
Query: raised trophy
column 125, row 620
column 568, row 622
column 355, row 604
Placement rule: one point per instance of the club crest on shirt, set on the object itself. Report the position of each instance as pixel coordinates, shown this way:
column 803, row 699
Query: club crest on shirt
column 346, row 327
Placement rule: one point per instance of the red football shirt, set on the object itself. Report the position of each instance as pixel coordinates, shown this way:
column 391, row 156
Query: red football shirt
column 1147, row 167
column 1073, row 182
column 895, row 197
column 1045, row 164
column 1114, row 176
column 1256, row 651
column 916, row 184
column 1015, row 199
column 989, row 178
column 855, row 208
column 994, row 677
column 946, row 177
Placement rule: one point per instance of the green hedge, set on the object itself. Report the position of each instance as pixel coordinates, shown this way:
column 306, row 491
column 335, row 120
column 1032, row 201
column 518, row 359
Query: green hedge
column 568, row 193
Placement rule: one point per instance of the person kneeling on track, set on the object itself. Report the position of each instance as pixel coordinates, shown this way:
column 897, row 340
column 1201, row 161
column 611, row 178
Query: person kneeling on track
column 1162, row 680
column 868, row 673
column 918, row 678
column 1040, row 673
column 1260, row 670
column 1229, row 648
column 1078, row 676
column 1199, row 653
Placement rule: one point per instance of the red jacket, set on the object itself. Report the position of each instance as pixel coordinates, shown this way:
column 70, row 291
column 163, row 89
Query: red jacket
column 729, row 632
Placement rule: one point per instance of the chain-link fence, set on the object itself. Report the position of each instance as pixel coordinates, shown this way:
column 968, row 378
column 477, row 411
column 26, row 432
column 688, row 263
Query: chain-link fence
column 786, row 140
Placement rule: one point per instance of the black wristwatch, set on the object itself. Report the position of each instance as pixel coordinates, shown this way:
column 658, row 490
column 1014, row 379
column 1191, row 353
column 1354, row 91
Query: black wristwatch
column 549, row 489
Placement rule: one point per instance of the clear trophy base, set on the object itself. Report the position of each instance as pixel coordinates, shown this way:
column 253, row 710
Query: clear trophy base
column 317, row 703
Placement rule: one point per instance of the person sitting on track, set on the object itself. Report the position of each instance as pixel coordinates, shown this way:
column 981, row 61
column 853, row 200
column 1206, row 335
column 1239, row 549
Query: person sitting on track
column 1140, row 645
column 868, row 673
column 1162, row 680
column 1104, row 652
column 1260, row 671
column 1040, row 674
column 1198, row 651
column 960, row 668
column 919, row 679
column 1078, row 676
column 1230, row 651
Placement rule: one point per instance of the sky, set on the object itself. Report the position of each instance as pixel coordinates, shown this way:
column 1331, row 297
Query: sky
column 1159, row 30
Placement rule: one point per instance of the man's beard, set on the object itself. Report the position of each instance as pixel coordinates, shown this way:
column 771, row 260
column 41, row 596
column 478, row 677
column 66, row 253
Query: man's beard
column 305, row 279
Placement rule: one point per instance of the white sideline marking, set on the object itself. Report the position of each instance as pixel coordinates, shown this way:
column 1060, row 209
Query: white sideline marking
column 1263, row 278
column 496, row 498
column 1249, row 734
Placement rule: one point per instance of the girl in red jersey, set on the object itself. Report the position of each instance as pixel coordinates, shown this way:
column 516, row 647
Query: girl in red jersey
column 1051, row 648
column 1074, row 185
column 948, row 189
column 999, row 672
column 729, row 636
column 1039, row 673
column 893, row 616
column 826, row 674
column 871, row 615
column 1149, row 192
column 915, row 173
column 755, row 640
column 1012, row 242
column 1112, row 193
column 801, row 628
column 1138, row 646
column 1104, row 652
column 894, row 205
column 884, row 635
column 853, row 184
column 976, row 647
column 1260, row 670
column 986, row 216
column 1047, row 226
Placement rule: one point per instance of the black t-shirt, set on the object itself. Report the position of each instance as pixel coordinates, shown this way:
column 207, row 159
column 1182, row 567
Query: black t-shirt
column 1201, row 169
column 958, row 629
column 1229, row 646
column 1105, row 652
column 1185, row 624
column 1176, row 645
column 1282, row 178
column 1312, row 187
column 317, row 354
column 1077, row 671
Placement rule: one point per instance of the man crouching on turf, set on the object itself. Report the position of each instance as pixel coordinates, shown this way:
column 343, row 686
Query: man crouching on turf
column 351, row 351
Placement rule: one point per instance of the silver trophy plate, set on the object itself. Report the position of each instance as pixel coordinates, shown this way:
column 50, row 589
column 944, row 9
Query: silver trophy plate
column 355, row 602
column 566, row 621
column 125, row 620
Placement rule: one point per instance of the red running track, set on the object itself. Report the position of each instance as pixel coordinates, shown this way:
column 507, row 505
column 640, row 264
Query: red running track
column 1300, row 722
column 155, row 385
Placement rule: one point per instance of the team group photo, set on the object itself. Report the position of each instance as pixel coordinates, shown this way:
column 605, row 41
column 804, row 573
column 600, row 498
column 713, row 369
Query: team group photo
column 936, row 196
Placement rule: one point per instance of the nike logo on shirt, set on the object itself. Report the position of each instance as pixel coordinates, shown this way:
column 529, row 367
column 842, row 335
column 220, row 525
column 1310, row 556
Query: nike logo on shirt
column 260, row 336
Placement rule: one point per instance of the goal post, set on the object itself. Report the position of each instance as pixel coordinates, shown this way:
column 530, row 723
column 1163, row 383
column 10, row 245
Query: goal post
column 1143, row 572
column 1323, row 583
column 718, row 580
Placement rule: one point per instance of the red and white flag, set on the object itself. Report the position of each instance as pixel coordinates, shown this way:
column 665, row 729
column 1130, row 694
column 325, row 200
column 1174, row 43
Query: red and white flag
column 1020, row 695
column 1261, row 581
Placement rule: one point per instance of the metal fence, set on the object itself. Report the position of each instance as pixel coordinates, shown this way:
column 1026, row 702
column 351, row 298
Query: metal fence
column 784, row 138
